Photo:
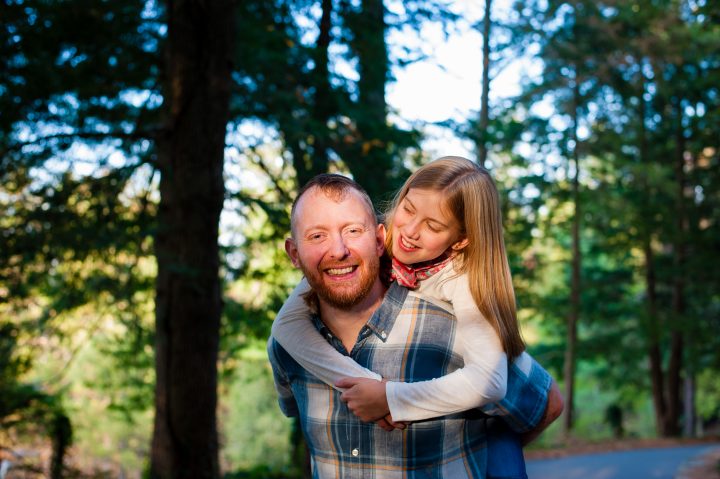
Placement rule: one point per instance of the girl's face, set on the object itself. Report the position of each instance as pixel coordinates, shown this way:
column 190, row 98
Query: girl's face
column 423, row 229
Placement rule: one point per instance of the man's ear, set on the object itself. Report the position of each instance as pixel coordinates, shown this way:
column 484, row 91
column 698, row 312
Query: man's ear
column 292, row 252
column 380, row 233
column 457, row 246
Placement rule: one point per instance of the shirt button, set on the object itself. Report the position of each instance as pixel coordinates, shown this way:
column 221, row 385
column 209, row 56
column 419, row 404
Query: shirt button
column 383, row 334
column 355, row 452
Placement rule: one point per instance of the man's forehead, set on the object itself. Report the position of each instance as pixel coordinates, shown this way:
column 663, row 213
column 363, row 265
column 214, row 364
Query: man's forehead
column 310, row 206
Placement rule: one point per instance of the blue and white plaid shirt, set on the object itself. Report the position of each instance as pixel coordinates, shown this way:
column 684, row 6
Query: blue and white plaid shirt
column 406, row 339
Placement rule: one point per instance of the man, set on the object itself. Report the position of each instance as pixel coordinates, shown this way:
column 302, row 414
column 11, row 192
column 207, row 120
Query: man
column 337, row 243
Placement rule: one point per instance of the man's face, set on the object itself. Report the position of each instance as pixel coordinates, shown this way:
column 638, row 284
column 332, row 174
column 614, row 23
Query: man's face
column 337, row 244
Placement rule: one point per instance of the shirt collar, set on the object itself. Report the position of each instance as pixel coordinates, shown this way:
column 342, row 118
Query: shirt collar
column 409, row 275
column 383, row 319
column 380, row 323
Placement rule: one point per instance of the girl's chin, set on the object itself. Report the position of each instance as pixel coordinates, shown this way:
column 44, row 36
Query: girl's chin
column 399, row 255
column 404, row 257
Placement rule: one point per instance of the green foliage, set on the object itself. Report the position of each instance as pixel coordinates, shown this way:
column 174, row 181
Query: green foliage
column 109, row 403
column 80, row 105
column 26, row 410
column 79, row 77
column 648, row 193
column 326, row 119
column 708, row 399
column 255, row 431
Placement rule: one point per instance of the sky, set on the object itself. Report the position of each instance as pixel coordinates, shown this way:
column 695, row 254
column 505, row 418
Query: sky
column 448, row 84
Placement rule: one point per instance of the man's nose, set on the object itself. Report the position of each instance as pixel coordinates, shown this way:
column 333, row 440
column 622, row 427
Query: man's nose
column 338, row 248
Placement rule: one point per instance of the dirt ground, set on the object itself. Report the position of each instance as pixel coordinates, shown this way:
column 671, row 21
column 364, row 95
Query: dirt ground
column 704, row 467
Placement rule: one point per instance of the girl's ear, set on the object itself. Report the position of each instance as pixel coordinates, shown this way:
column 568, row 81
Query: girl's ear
column 459, row 244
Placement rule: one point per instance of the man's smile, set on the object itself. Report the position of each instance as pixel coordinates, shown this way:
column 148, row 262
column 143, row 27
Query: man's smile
column 341, row 271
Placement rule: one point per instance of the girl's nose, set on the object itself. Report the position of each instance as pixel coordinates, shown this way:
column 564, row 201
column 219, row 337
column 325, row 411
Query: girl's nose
column 412, row 230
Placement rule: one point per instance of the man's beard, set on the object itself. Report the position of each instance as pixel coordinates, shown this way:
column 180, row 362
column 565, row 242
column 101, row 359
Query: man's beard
column 349, row 294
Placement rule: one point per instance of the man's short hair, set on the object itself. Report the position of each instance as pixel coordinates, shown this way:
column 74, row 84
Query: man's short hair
column 334, row 186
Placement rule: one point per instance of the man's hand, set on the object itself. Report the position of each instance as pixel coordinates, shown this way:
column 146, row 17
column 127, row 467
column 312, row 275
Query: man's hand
column 365, row 398
column 554, row 408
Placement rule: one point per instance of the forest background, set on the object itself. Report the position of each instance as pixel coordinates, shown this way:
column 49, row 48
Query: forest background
column 149, row 152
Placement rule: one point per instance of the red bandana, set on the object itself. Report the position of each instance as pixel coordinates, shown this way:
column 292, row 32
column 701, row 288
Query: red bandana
column 409, row 276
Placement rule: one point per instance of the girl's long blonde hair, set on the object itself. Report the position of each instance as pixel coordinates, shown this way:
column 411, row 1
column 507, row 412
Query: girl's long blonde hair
column 471, row 196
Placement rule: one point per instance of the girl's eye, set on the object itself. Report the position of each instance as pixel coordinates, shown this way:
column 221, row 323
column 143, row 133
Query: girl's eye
column 432, row 228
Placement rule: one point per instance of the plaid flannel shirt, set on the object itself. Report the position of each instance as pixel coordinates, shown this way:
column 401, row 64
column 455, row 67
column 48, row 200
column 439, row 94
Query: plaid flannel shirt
column 406, row 339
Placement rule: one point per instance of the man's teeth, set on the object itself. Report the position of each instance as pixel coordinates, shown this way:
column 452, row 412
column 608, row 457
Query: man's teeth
column 340, row 270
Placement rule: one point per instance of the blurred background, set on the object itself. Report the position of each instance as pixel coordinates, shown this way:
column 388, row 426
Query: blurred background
column 149, row 153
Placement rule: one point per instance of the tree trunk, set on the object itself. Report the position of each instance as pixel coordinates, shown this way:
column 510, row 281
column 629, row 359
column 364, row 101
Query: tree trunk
column 654, row 354
column 678, row 293
column 371, row 164
column 482, row 145
column 324, row 104
column 61, row 439
column 574, row 315
column 653, row 324
column 316, row 161
column 188, row 298
column 689, row 405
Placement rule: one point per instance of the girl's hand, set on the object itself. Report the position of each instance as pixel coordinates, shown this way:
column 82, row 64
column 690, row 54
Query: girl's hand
column 388, row 424
column 365, row 398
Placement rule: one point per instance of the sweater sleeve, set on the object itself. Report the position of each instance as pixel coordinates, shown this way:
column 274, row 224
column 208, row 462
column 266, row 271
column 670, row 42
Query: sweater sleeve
column 482, row 380
column 294, row 330
column 523, row 407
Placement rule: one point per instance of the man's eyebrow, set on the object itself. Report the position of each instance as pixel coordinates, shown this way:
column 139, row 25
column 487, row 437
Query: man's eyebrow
column 324, row 227
column 364, row 224
column 310, row 228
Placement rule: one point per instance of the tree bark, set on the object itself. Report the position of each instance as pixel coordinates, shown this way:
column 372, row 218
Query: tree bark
column 309, row 164
column 61, row 440
column 689, row 415
column 188, row 297
column 372, row 156
column 678, row 293
column 324, row 104
column 482, row 144
column 574, row 315
column 654, row 354
column 653, row 323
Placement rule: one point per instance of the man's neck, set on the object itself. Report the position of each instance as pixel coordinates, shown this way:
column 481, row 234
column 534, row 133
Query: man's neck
column 346, row 323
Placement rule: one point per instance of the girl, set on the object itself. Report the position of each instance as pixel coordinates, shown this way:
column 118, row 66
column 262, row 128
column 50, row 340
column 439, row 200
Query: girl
column 444, row 235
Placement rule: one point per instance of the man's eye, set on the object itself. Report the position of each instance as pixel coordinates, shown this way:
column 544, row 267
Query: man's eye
column 354, row 231
column 316, row 236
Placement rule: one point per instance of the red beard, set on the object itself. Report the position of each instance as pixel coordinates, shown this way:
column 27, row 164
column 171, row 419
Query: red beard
column 343, row 295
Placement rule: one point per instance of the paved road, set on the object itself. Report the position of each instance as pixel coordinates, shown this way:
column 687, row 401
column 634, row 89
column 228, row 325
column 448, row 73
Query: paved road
column 661, row 463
